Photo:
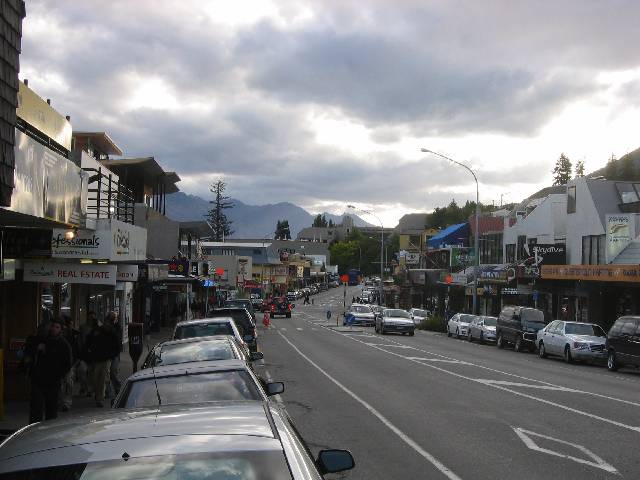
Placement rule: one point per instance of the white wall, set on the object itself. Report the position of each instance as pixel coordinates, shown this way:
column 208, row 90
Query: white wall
column 585, row 221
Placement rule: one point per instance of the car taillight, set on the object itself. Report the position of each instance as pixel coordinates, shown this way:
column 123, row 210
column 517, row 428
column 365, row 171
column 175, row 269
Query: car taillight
column 273, row 308
column 289, row 307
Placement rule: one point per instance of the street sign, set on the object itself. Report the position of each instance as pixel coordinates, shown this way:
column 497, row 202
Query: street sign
column 535, row 295
column 328, row 314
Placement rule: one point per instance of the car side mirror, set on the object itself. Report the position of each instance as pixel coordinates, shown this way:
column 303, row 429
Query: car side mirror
column 256, row 356
column 332, row 461
column 274, row 388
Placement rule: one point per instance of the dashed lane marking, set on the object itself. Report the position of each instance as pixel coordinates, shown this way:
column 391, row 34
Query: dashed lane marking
column 403, row 436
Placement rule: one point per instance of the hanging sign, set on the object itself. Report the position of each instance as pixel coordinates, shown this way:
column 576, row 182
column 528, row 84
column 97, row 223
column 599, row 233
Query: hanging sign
column 70, row 273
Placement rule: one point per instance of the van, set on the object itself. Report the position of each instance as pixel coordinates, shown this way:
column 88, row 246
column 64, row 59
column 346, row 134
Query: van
column 623, row 343
column 519, row 326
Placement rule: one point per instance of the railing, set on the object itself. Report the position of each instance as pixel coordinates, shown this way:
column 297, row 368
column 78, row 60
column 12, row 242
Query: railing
column 107, row 197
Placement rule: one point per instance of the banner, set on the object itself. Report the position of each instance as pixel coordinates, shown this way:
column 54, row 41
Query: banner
column 602, row 273
column 70, row 273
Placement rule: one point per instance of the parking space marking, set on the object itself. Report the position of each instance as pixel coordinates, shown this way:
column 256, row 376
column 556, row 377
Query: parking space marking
column 595, row 460
column 403, row 436
column 441, row 360
column 526, row 385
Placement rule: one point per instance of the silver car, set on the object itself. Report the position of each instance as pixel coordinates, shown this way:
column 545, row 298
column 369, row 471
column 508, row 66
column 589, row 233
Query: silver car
column 251, row 439
column 194, row 382
column 482, row 328
column 362, row 315
column 207, row 327
column 572, row 341
column 395, row 320
column 418, row 315
column 459, row 324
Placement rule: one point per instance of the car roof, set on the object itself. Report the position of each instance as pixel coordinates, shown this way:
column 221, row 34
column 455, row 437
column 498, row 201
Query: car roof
column 211, row 338
column 81, row 435
column 188, row 368
column 229, row 309
column 205, row 321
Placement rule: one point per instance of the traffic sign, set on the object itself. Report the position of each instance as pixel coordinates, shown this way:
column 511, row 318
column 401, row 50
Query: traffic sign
column 328, row 314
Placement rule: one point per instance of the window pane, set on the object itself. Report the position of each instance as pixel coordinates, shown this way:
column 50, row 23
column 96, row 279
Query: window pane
column 593, row 256
column 571, row 199
column 586, row 248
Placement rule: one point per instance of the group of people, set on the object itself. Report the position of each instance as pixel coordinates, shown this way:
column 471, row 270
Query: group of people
column 58, row 355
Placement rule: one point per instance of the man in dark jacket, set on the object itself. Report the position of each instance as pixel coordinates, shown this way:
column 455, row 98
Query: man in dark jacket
column 50, row 362
column 102, row 346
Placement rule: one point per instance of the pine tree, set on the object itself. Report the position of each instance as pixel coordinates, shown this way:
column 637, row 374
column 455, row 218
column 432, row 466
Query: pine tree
column 611, row 170
column 562, row 170
column 283, row 232
column 580, row 168
column 220, row 224
column 320, row 220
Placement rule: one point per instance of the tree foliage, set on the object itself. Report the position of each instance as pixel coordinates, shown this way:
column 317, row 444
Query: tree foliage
column 220, row 224
column 562, row 170
column 363, row 252
column 320, row 220
column 283, row 232
column 579, row 168
column 451, row 214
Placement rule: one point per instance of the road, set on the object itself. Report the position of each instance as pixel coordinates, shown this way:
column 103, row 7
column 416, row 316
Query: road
column 435, row 407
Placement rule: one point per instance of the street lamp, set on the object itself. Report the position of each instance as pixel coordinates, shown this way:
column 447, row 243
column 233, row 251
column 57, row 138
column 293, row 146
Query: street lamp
column 477, row 235
column 381, row 248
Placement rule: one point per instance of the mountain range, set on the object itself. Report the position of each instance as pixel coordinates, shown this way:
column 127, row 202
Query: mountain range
column 249, row 221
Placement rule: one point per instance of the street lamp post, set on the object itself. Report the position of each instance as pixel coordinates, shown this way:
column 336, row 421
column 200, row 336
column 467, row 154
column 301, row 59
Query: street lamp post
column 381, row 249
column 477, row 235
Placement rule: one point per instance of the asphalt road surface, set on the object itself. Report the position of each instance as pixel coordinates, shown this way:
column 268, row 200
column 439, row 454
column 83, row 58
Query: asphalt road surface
column 435, row 407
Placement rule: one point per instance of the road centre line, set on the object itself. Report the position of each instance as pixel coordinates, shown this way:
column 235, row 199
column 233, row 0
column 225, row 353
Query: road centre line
column 403, row 436
column 499, row 387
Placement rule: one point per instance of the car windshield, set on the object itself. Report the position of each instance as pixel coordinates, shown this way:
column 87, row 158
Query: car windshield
column 361, row 309
column 490, row 321
column 584, row 329
column 420, row 313
column 170, row 354
column 466, row 318
column 229, row 465
column 397, row 313
column 203, row 330
column 241, row 317
column 532, row 318
column 187, row 389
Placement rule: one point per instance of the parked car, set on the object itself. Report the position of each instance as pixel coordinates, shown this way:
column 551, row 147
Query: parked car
column 249, row 439
column 572, row 341
column 519, row 326
column 395, row 320
column 245, row 303
column 459, row 324
column 256, row 301
column 362, row 315
column 245, row 322
column 623, row 343
column 418, row 315
column 194, row 382
column 198, row 349
column 207, row 327
column 483, row 328
column 377, row 310
column 281, row 306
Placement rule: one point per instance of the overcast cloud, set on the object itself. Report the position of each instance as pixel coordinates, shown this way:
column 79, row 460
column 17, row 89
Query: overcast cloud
column 327, row 103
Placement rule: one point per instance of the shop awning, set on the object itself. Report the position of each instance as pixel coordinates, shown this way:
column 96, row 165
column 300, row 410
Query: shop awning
column 452, row 235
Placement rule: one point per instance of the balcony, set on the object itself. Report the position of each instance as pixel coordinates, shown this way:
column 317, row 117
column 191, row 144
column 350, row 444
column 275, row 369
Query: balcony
column 107, row 197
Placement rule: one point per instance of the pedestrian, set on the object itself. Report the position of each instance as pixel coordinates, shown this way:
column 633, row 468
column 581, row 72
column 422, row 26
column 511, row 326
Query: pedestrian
column 102, row 347
column 113, row 386
column 84, row 368
column 49, row 360
column 71, row 335
column 306, row 298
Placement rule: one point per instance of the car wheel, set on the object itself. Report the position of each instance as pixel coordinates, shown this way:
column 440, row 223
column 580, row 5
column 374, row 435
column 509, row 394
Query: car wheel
column 469, row 337
column 542, row 352
column 458, row 334
column 500, row 341
column 481, row 338
column 567, row 354
column 518, row 345
column 412, row 333
column 448, row 331
column 612, row 363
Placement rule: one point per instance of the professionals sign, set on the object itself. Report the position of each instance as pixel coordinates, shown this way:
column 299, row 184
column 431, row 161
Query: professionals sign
column 70, row 273
column 601, row 273
column 620, row 232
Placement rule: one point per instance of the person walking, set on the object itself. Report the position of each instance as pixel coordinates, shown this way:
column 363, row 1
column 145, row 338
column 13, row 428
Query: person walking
column 49, row 360
column 71, row 335
column 102, row 346
column 306, row 298
column 113, row 386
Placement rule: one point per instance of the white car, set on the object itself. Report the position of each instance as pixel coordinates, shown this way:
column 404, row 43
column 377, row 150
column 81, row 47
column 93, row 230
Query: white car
column 418, row 315
column 395, row 320
column 458, row 325
column 572, row 341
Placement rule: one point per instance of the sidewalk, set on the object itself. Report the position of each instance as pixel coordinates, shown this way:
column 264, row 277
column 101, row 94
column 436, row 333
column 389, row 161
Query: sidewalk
column 16, row 414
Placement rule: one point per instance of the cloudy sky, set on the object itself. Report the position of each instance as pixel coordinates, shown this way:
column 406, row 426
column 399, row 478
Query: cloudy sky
column 327, row 103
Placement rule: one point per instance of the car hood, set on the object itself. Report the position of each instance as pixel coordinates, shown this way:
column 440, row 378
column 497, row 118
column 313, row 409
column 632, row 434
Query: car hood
column 398, row 321
column 488, row 328
column 363, row 315
column 586, row 338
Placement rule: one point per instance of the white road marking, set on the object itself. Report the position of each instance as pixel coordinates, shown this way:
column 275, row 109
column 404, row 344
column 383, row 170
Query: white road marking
column 526, row 385
column 299, row 329
column 283, row 329
column 388, row 345
column 441, row 360
column 403, row 436
column 514, row 392
column 525, row 436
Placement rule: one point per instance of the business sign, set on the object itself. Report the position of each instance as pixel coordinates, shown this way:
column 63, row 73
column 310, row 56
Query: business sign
column 47, row 185
column 462, row 257
column 412, row 258
column 179, row 267
column 127, row 273
column 538, row 255
column 70, row 273
column 619, row 233
column 85, row 244
column 602, row 273
column 300, row 271
column 495, row 274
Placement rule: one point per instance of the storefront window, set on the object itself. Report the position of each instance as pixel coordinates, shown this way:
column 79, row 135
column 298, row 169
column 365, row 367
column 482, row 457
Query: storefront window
column 47, row 304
